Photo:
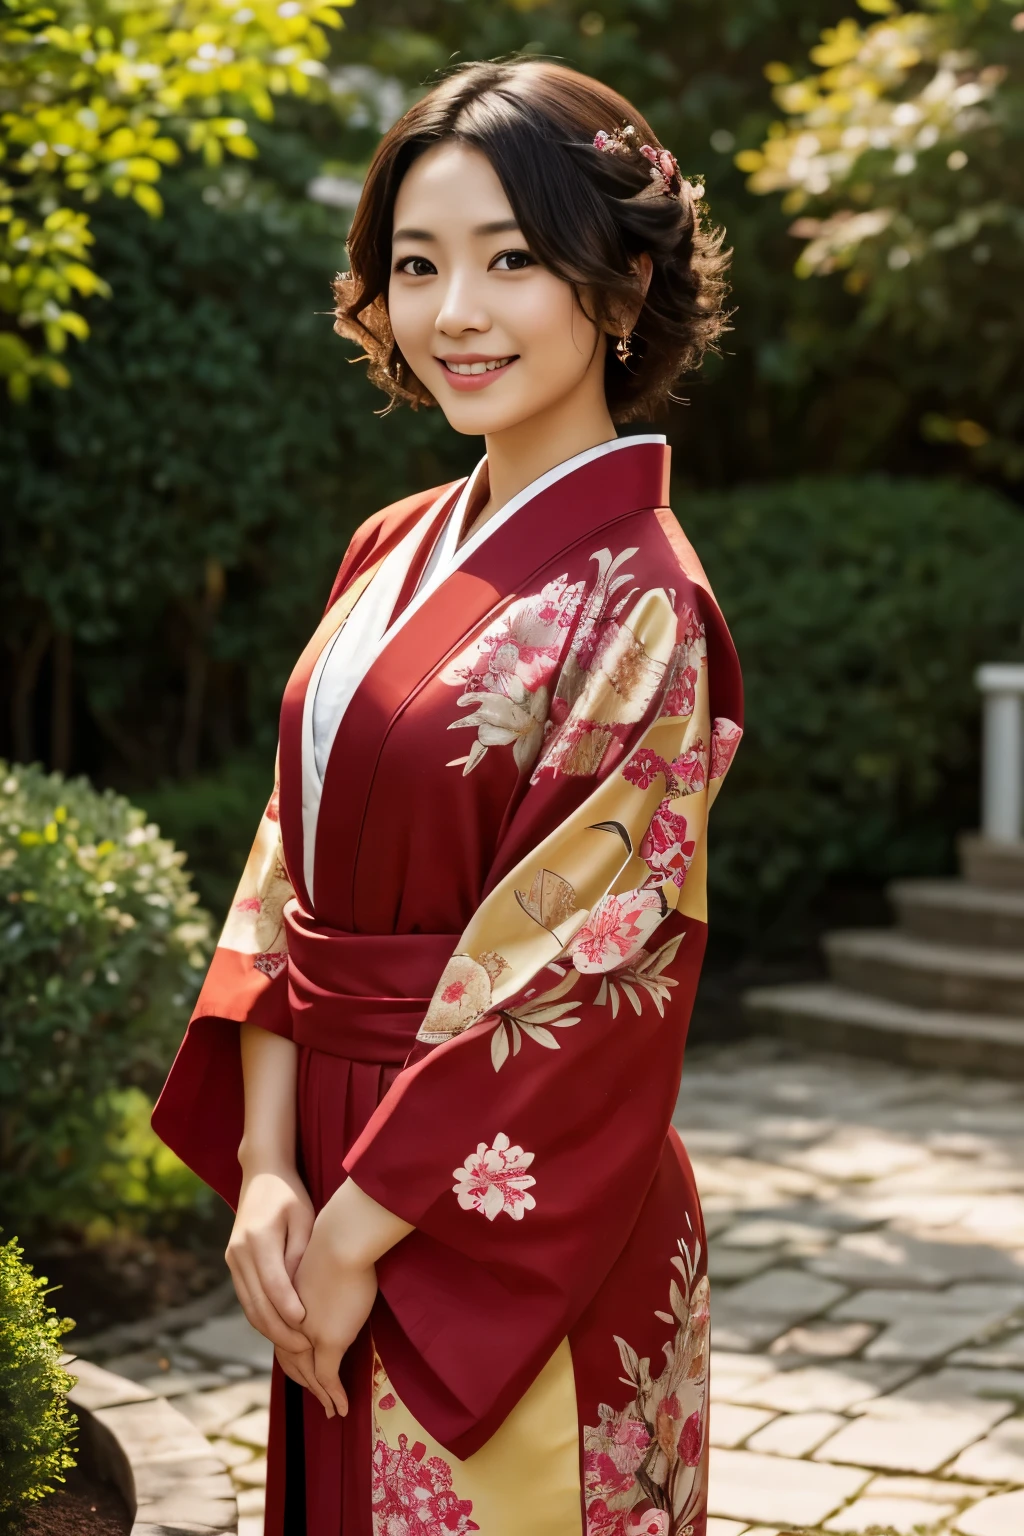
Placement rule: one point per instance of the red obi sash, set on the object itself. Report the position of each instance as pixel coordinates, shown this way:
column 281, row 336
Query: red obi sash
column 361, row 995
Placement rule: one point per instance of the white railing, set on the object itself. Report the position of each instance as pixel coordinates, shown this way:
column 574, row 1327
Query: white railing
column 1002, row 759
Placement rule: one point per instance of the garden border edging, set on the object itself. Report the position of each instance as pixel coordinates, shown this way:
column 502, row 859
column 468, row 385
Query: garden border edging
column 168, row 1474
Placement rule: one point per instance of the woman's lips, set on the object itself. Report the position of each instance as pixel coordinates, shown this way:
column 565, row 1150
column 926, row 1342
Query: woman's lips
column 464, row 382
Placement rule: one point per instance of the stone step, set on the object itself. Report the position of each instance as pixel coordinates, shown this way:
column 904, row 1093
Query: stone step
column 927, row 974
column 984, row 862
column 953, row 912
column 833, row 1018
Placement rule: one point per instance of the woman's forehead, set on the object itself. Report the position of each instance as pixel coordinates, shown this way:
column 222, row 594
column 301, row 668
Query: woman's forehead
column 451, row 182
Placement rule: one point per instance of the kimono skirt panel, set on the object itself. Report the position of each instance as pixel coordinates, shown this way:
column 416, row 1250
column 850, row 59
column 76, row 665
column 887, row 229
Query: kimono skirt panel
column 488, row 962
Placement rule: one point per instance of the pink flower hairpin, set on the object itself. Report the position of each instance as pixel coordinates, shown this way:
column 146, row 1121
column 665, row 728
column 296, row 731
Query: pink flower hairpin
column 666, row 178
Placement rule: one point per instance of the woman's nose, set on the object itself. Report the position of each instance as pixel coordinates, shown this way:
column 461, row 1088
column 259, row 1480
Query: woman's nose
column 462, row 308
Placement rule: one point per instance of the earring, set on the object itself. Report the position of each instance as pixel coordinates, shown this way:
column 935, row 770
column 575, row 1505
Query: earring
column 623, row 350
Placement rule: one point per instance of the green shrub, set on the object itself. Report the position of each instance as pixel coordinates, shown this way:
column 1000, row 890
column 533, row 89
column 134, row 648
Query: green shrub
column 36, row 1425
column 102, row 948
column 213, row 817
column 860, row 609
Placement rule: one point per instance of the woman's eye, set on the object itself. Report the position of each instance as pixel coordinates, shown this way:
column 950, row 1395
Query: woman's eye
column 416, row 266
column 512, row 261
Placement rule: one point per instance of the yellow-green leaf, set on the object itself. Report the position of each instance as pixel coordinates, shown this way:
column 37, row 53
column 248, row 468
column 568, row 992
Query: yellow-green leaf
column 149, row 198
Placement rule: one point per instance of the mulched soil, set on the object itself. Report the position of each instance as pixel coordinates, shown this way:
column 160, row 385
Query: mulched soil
column 127, row 1277
column 83, row 1507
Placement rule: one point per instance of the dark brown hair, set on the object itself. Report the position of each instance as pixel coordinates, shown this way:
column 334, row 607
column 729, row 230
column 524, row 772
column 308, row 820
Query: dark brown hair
column 576, row 205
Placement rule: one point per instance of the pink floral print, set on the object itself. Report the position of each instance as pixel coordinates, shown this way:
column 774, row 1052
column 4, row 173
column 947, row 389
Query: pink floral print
column 684, row 666
column 725, row 738
column 271, row 964
column 494, row 1179
column 645, row 1465
column 616, row 929
column 666, row 849
column 685, row 775
column 689, row 770
column 413, row 1494
column 643, row 768
column 607, row 681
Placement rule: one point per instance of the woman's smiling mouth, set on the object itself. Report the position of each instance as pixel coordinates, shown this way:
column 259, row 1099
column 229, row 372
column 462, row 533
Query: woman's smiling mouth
column 471, row 371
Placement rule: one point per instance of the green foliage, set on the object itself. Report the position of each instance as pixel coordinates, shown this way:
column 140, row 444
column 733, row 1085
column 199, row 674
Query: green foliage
column 213, row 817
column 860, row 609
column 903, row 155
column 102, row 948
column 95, row 96
column 36, row 1425
column 203, row 477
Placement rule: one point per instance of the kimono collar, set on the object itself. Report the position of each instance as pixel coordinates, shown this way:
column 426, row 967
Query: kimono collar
column 556, row 510
column 639, row 463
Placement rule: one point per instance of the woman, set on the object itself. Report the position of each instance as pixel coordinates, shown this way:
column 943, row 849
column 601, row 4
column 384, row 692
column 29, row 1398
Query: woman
column 451, row 997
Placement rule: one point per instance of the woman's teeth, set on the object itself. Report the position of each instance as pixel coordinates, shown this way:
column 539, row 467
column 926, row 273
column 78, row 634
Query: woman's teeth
column 498, row 362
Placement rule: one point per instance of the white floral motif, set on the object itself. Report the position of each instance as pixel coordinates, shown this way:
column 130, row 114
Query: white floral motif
column 505, row 671
column 494, row 1179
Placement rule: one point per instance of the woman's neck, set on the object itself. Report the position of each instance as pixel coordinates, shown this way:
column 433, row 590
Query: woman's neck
column 522, row 453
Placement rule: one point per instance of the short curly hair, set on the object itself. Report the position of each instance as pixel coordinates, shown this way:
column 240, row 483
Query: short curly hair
column 577, row 207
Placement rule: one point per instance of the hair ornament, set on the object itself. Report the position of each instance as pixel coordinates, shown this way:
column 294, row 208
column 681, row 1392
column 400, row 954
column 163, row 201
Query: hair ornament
column 666, row 178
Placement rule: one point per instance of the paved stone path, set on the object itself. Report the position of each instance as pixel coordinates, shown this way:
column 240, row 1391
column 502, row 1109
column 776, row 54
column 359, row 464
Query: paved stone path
column 867, row 1261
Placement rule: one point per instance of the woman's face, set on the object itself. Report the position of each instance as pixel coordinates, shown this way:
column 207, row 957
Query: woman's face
column 493, row 335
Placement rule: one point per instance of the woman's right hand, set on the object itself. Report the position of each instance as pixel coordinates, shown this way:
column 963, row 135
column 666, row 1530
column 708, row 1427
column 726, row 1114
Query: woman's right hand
column 272, row 1227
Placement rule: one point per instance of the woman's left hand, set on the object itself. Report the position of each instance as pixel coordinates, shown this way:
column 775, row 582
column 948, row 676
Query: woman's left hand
column 337, row 1280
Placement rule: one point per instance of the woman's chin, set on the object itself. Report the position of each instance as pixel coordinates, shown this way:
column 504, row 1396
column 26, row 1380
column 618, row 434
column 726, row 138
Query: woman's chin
column 493, row 410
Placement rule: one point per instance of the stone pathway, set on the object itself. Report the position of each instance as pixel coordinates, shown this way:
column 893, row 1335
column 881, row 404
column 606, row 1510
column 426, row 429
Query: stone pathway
column 867, row 1261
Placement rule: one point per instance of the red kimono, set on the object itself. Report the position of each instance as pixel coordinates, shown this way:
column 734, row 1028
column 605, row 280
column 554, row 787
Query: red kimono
column 486, row 947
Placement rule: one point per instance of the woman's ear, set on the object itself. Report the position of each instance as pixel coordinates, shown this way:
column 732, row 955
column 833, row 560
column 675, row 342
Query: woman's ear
column 643, row 271
column 644, row 268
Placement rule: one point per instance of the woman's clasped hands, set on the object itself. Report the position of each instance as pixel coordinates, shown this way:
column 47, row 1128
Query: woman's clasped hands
column 307, row 1282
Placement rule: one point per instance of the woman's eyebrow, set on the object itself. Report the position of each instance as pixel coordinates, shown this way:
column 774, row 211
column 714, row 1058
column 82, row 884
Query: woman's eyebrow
column 497, row 227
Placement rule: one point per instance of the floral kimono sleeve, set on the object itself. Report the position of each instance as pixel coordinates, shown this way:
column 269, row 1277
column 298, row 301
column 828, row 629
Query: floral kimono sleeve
column 530, row 1122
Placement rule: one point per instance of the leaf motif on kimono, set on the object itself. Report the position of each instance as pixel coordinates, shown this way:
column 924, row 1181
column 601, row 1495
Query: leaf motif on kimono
column 614, row 826
column 664, row 1317
column 602, row 993
column 540, row 1034
column 680, row 1306
column 517, row 1039
column 566, row 984
column 551, row 899
column 476, row 752
column 546, row 1015
column 631, row 994
column 499, row 1046
column 630, row 1360
column 656, row 963
column 615, row 1002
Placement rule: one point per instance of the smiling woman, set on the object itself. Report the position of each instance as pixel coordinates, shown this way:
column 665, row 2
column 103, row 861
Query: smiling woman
column 571, row 207
column 435, row 1059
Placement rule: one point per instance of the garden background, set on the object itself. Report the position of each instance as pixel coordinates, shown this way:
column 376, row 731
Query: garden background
column 184, row 452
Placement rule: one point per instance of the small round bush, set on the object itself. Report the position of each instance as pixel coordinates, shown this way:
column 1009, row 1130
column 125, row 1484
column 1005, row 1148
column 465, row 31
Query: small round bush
column 102, row 950
column 36, row 1425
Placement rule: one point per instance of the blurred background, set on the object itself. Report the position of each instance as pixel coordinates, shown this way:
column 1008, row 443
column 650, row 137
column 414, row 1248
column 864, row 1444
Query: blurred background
column 185, row 450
